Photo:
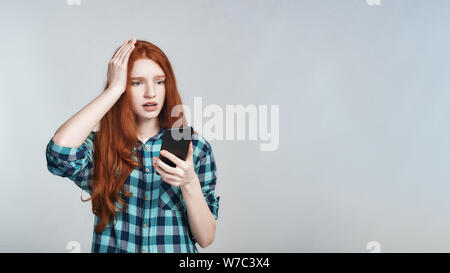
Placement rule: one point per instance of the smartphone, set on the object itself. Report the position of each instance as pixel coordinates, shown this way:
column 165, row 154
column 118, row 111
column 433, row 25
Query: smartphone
column 176, row 141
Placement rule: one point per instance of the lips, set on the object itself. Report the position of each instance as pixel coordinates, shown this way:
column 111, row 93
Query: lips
column 150, row 106
column 150, row 103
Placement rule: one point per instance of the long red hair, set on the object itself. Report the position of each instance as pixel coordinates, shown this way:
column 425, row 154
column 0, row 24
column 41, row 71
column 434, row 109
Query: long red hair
column 114, row 153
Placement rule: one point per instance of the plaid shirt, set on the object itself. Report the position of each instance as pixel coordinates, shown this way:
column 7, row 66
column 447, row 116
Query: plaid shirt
column 156, row 219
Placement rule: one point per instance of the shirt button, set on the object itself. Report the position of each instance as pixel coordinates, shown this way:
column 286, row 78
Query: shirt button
column 146, row 147
column 145, row 225
column 147, row 170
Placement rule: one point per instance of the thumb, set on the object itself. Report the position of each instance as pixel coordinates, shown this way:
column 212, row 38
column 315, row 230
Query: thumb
column 191, row 151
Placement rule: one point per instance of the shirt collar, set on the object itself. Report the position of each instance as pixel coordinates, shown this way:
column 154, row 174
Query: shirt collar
column 155, row 137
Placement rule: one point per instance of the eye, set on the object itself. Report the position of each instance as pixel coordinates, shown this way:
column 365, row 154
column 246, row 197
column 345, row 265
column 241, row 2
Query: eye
column 135, row 83
column 161, row 82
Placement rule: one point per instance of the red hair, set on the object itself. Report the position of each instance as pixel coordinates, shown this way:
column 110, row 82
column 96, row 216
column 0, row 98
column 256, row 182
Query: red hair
column 114, row 153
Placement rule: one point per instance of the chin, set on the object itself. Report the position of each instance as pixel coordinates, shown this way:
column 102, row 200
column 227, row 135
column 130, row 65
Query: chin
column 150, row 115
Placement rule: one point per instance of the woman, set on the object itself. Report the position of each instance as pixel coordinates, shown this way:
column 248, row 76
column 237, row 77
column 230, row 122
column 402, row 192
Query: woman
column 140, row 203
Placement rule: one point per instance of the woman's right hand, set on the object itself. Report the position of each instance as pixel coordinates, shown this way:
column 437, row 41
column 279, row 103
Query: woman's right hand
column 117, row 67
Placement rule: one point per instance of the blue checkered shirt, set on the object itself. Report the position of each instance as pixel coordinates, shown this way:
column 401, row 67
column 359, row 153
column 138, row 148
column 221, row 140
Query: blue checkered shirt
column 156, row 219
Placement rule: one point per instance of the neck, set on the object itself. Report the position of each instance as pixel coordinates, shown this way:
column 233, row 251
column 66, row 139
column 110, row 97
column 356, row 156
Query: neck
column 147, row 128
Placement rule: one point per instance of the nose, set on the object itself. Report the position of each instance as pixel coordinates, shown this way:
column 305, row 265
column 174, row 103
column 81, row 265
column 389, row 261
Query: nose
column 149, row 92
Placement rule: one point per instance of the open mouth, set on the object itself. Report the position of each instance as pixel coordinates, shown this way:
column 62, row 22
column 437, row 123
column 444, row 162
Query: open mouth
column 150, row 106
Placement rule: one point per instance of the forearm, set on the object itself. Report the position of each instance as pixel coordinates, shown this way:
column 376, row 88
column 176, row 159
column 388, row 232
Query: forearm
column 76, row 129
column 201, row 221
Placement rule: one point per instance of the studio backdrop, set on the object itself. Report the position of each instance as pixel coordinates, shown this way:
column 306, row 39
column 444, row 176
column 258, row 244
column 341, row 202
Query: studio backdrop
column 330, row 117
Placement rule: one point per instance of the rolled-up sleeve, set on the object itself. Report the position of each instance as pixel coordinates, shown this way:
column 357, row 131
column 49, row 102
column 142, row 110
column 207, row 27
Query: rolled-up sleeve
column 74, row 163
column 207, row 175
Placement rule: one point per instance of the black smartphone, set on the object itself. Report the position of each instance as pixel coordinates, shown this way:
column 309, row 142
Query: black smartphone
column 176, row 141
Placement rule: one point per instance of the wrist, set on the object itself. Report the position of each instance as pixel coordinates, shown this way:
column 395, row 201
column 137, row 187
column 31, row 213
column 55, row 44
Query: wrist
column 191, row 186
column 114, row 90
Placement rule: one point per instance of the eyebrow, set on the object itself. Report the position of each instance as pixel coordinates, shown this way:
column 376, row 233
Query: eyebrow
column 155, row 77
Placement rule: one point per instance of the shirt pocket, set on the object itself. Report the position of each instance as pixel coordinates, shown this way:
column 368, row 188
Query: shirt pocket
column 170, row 197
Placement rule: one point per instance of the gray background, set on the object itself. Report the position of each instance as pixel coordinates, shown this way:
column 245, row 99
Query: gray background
column 363, row 94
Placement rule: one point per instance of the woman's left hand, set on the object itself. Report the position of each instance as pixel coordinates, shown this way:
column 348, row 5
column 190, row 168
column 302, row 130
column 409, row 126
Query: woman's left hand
column 183, row 174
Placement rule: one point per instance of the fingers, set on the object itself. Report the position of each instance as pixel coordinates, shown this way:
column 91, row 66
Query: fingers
column 119, row 50
column 128, row 51
column 124, row 50
column 180, row 163
column 167, row 177
column 120, row 53
column 124, row 54
column 190, row 154
column 171, row 170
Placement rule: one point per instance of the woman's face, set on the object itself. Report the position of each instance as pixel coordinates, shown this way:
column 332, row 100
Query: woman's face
column 147, row 85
